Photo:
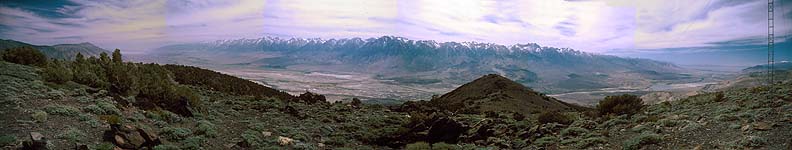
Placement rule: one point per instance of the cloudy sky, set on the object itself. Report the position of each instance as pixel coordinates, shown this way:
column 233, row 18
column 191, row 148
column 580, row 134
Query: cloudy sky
column 600, row 26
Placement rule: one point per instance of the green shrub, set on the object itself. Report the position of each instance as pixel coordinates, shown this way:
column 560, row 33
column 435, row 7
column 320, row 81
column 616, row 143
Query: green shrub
column 6, row 140
column 72, row 135
column 719, row 97
column 206, row 128
column 176, row 133
column 102, row 108
column 337, row 141
column 620, row 105
column 164, row 115
column 57, row 72
column 570, row 141
column 753, row 141
column 734, row 126
column 356, row 102
column 645, row 118
column 588, row 142
column 108, row 108
column 111, row 119
column 641, row 140
column 104, row 146
column 668, row 122
column 251, row 137
column 62, row 110
column 94, row 109
column 518, row 116
column 544, row 141
column 726, row 117
column 554, row 117
column 573, row 131
column 93, row 123
column 39, row 115
column 444, row 146
column 25, row 55
column 304, row 146
column 691, row 126
column 195, row 142
column 166, row 147
column 418, row 146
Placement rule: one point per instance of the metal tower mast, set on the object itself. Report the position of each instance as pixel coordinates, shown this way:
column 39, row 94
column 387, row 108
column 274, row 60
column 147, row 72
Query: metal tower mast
column 770, row 42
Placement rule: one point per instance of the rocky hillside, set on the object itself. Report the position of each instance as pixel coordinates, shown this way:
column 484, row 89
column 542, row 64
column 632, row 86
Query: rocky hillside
column 497, row 93
column 60, row 51
column 38, row 112
column 784, row 65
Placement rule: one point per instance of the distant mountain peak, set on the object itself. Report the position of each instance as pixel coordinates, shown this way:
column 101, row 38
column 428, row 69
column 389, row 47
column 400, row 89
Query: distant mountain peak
column 87, row 43
column 392, row 40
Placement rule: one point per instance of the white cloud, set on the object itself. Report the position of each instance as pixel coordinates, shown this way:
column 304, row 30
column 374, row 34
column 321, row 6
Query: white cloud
column 595, row 26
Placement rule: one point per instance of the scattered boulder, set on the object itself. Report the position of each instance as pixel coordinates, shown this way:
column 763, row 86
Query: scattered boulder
column 283, row 141
column 483, row 131
column 745, row 127
column 131, row 137
column 266, row 134
column 37, row 142
column 762, row 126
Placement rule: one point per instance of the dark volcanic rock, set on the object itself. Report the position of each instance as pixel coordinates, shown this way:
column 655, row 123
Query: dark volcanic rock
column 312, row 98
column 445, row 130
column 37, row 142
column 131, row 137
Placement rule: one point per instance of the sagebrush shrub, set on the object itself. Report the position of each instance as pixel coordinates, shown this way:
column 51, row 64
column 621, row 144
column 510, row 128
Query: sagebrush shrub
column 554, row 117
column 719, row 97
column 418, row 146
column 620, row 105
column 641, row 140
column 444, row 146
column 39, row 115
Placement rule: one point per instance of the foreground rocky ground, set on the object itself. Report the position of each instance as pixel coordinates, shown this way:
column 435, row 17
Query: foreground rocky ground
column 71, row 115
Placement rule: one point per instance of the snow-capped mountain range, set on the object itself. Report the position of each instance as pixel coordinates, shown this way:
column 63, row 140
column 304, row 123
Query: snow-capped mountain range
column 299, row 42
column 547, row 68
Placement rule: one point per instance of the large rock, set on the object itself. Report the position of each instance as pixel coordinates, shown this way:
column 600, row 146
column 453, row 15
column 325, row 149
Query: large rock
column 131, row 137
column 283, row 141
column 37, row 142
column 762, row 126
column 445, row 130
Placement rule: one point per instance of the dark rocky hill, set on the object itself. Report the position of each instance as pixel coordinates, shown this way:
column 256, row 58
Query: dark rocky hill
column 497, row 93
column 60, row 51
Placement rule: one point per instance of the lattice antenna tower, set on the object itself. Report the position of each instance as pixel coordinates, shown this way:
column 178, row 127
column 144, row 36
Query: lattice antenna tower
column 770, row 42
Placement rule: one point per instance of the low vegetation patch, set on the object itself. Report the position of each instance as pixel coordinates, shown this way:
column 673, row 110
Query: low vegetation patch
column 39, row 115
column 641, row 140
column 62, row 110
column 7, row 140
column 418, row 146
column 620, row 105
column 175, row 133
column 554, row 117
